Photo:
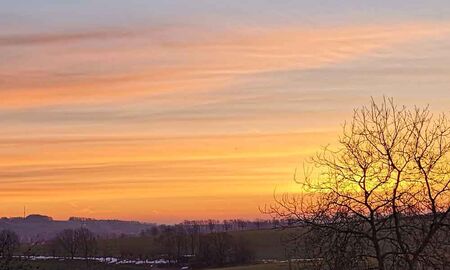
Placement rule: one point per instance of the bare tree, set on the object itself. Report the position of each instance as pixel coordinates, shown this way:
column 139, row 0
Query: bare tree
column 9, row 243
column 212, row 224
column 180, row 238
column 80, row 241
column 385, row 189
column 193, row 230
column 173, row 241
column 241, row 224
column 67, row 239
column 86, row 242
column 221, row 248
column 215, row 248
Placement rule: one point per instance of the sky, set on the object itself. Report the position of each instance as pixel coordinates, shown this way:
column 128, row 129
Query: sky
column 169, row 110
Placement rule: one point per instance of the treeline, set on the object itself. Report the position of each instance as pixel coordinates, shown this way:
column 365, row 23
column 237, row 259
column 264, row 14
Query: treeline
column 70, row 243
column 188, row 244
column 177, row 244
column 200, row 243
column 39, row 227
column 228, row 225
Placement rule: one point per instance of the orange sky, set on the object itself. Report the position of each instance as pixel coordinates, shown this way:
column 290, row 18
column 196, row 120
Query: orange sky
column 164, row 113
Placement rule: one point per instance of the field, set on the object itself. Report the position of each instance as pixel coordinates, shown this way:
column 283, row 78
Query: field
column 77, row 265
column 266, row 245
column 259, row 266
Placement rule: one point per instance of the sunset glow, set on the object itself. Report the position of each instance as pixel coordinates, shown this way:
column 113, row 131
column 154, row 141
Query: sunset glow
column 158, row 111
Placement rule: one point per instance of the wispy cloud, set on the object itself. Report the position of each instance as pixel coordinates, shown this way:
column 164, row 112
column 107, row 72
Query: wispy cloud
column 197, row 59
column 60, row 38
column 107, row 168
column 144, row 116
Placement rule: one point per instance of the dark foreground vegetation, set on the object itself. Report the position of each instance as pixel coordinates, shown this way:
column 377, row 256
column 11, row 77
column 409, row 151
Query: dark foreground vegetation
column 380, row 199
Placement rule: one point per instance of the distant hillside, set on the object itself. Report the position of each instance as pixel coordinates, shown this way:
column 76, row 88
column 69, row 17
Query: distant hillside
column 39, row 227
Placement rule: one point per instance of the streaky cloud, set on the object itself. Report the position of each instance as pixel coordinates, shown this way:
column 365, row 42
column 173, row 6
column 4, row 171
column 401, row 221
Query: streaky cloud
column 60, row 38
column 197, row 60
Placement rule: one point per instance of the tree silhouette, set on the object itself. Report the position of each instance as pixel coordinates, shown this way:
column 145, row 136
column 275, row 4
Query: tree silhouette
column 67, row 239
column 9, row 243
column 381, row 196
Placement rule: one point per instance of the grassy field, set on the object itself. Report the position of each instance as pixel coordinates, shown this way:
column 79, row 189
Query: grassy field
column 80, row 265
column 266, row 244
column 260, row 266
column 77, row 265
